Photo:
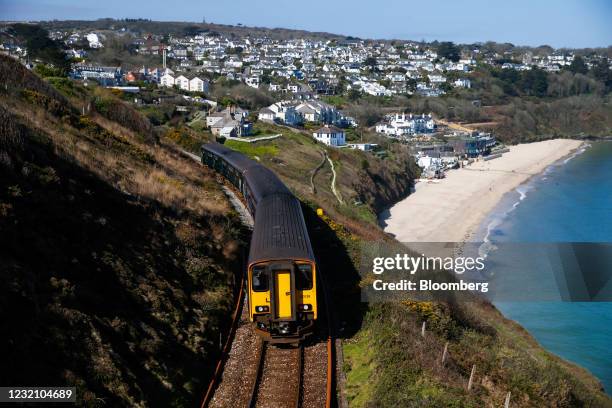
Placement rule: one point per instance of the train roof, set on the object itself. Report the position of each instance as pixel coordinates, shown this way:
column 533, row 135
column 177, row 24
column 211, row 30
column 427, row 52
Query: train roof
column 234, row 158
column 263, row 182
column 280, row 231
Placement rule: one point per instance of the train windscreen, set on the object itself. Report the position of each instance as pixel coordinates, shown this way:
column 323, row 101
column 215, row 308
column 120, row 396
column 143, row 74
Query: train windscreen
column 260, row 279
column 303, row 277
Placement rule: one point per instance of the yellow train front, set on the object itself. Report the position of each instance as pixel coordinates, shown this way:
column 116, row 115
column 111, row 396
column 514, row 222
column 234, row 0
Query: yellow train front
column 281, row 273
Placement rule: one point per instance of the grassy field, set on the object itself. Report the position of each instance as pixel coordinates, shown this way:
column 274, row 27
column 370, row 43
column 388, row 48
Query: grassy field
column 257, row 150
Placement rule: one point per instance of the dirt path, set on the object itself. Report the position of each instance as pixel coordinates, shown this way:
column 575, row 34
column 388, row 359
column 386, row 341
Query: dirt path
column 333, row 182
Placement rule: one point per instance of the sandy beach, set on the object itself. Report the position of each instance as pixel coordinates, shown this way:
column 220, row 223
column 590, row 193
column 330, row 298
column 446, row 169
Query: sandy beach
column 451, row 209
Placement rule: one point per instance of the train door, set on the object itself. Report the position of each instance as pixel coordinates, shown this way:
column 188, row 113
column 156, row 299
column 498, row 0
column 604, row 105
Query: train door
column 283, row 296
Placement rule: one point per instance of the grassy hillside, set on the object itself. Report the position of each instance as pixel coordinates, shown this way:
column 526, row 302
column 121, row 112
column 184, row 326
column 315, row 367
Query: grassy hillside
column 117, row 254
column 364, row 182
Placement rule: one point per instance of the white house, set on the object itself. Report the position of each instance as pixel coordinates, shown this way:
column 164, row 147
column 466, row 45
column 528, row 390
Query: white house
column 196, row 84
column 284, row 111
column 274, row 87
column 182, row 82
column 331, row 136
column 252, row 81
column 425, row 162
column 94, row 40
column 167, row 80
column 266, row 114
column 229, row 122
column 462, row 83
column 314, row 110
column 365, row 147
column 402, row 124
column 436, row 79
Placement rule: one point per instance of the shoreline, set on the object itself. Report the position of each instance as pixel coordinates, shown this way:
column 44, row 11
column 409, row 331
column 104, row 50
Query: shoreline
column 452, row 209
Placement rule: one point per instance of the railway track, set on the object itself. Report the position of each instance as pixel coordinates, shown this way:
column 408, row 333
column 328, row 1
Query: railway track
column 257, row 374
column 278, row 379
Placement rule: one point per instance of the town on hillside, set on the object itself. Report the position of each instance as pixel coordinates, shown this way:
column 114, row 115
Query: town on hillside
column 305, row 83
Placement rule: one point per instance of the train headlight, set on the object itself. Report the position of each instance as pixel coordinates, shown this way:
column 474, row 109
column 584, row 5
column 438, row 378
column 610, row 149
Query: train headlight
column 261, row 309
column 306, row 307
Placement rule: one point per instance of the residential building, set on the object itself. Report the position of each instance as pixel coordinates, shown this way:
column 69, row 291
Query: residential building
column 182, row 82
column 252, row 81
column 462, row 83
column 365, row 147
column 185, row 82
column 477, row 144
column 284, row 112
column 405, row 125
column 230, row 122
column 167, row 80
column 196, row 84
column 330, row 135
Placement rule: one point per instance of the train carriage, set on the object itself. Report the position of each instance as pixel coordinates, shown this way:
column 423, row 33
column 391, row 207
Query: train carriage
column 281, row 274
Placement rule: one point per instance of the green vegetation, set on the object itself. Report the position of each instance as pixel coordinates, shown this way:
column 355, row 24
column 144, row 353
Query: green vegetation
column 111, row 107
column 257, row 150
column 45, row 71
column 336, row 100
column 449, row 51
column 40, row 46
column 532, row 82
column 234, row 92
column 394, row 365
column 186, row 138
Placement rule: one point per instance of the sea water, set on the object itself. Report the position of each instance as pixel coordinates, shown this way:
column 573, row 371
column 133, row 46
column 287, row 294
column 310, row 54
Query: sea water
column 569, row 202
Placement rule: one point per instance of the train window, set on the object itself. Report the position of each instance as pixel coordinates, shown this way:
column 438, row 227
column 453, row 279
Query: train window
column 259, row 279
column 303, row 277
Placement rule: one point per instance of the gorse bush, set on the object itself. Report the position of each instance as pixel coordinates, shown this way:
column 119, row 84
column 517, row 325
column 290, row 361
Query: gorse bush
column 52, row 105
column 114, row 109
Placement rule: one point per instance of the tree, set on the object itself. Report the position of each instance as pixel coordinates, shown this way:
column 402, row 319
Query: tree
column 370, row 62
column 40, row 46
column 47, row 71
column 191, row 30
column 578, row 66
column 534, row 82
column 354, row 94
column 601, row 71
column 449, row 51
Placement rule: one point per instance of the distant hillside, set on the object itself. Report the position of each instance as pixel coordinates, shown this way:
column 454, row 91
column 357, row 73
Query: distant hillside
column 117, row 255
column 145, row 26
column 181, row 28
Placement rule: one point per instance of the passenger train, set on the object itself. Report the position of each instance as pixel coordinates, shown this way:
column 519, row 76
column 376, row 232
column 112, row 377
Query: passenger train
column 281, row 270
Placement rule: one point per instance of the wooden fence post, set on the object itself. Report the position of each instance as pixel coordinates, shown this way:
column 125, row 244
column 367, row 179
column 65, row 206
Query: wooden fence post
column 471, row 377
column 444, row 353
